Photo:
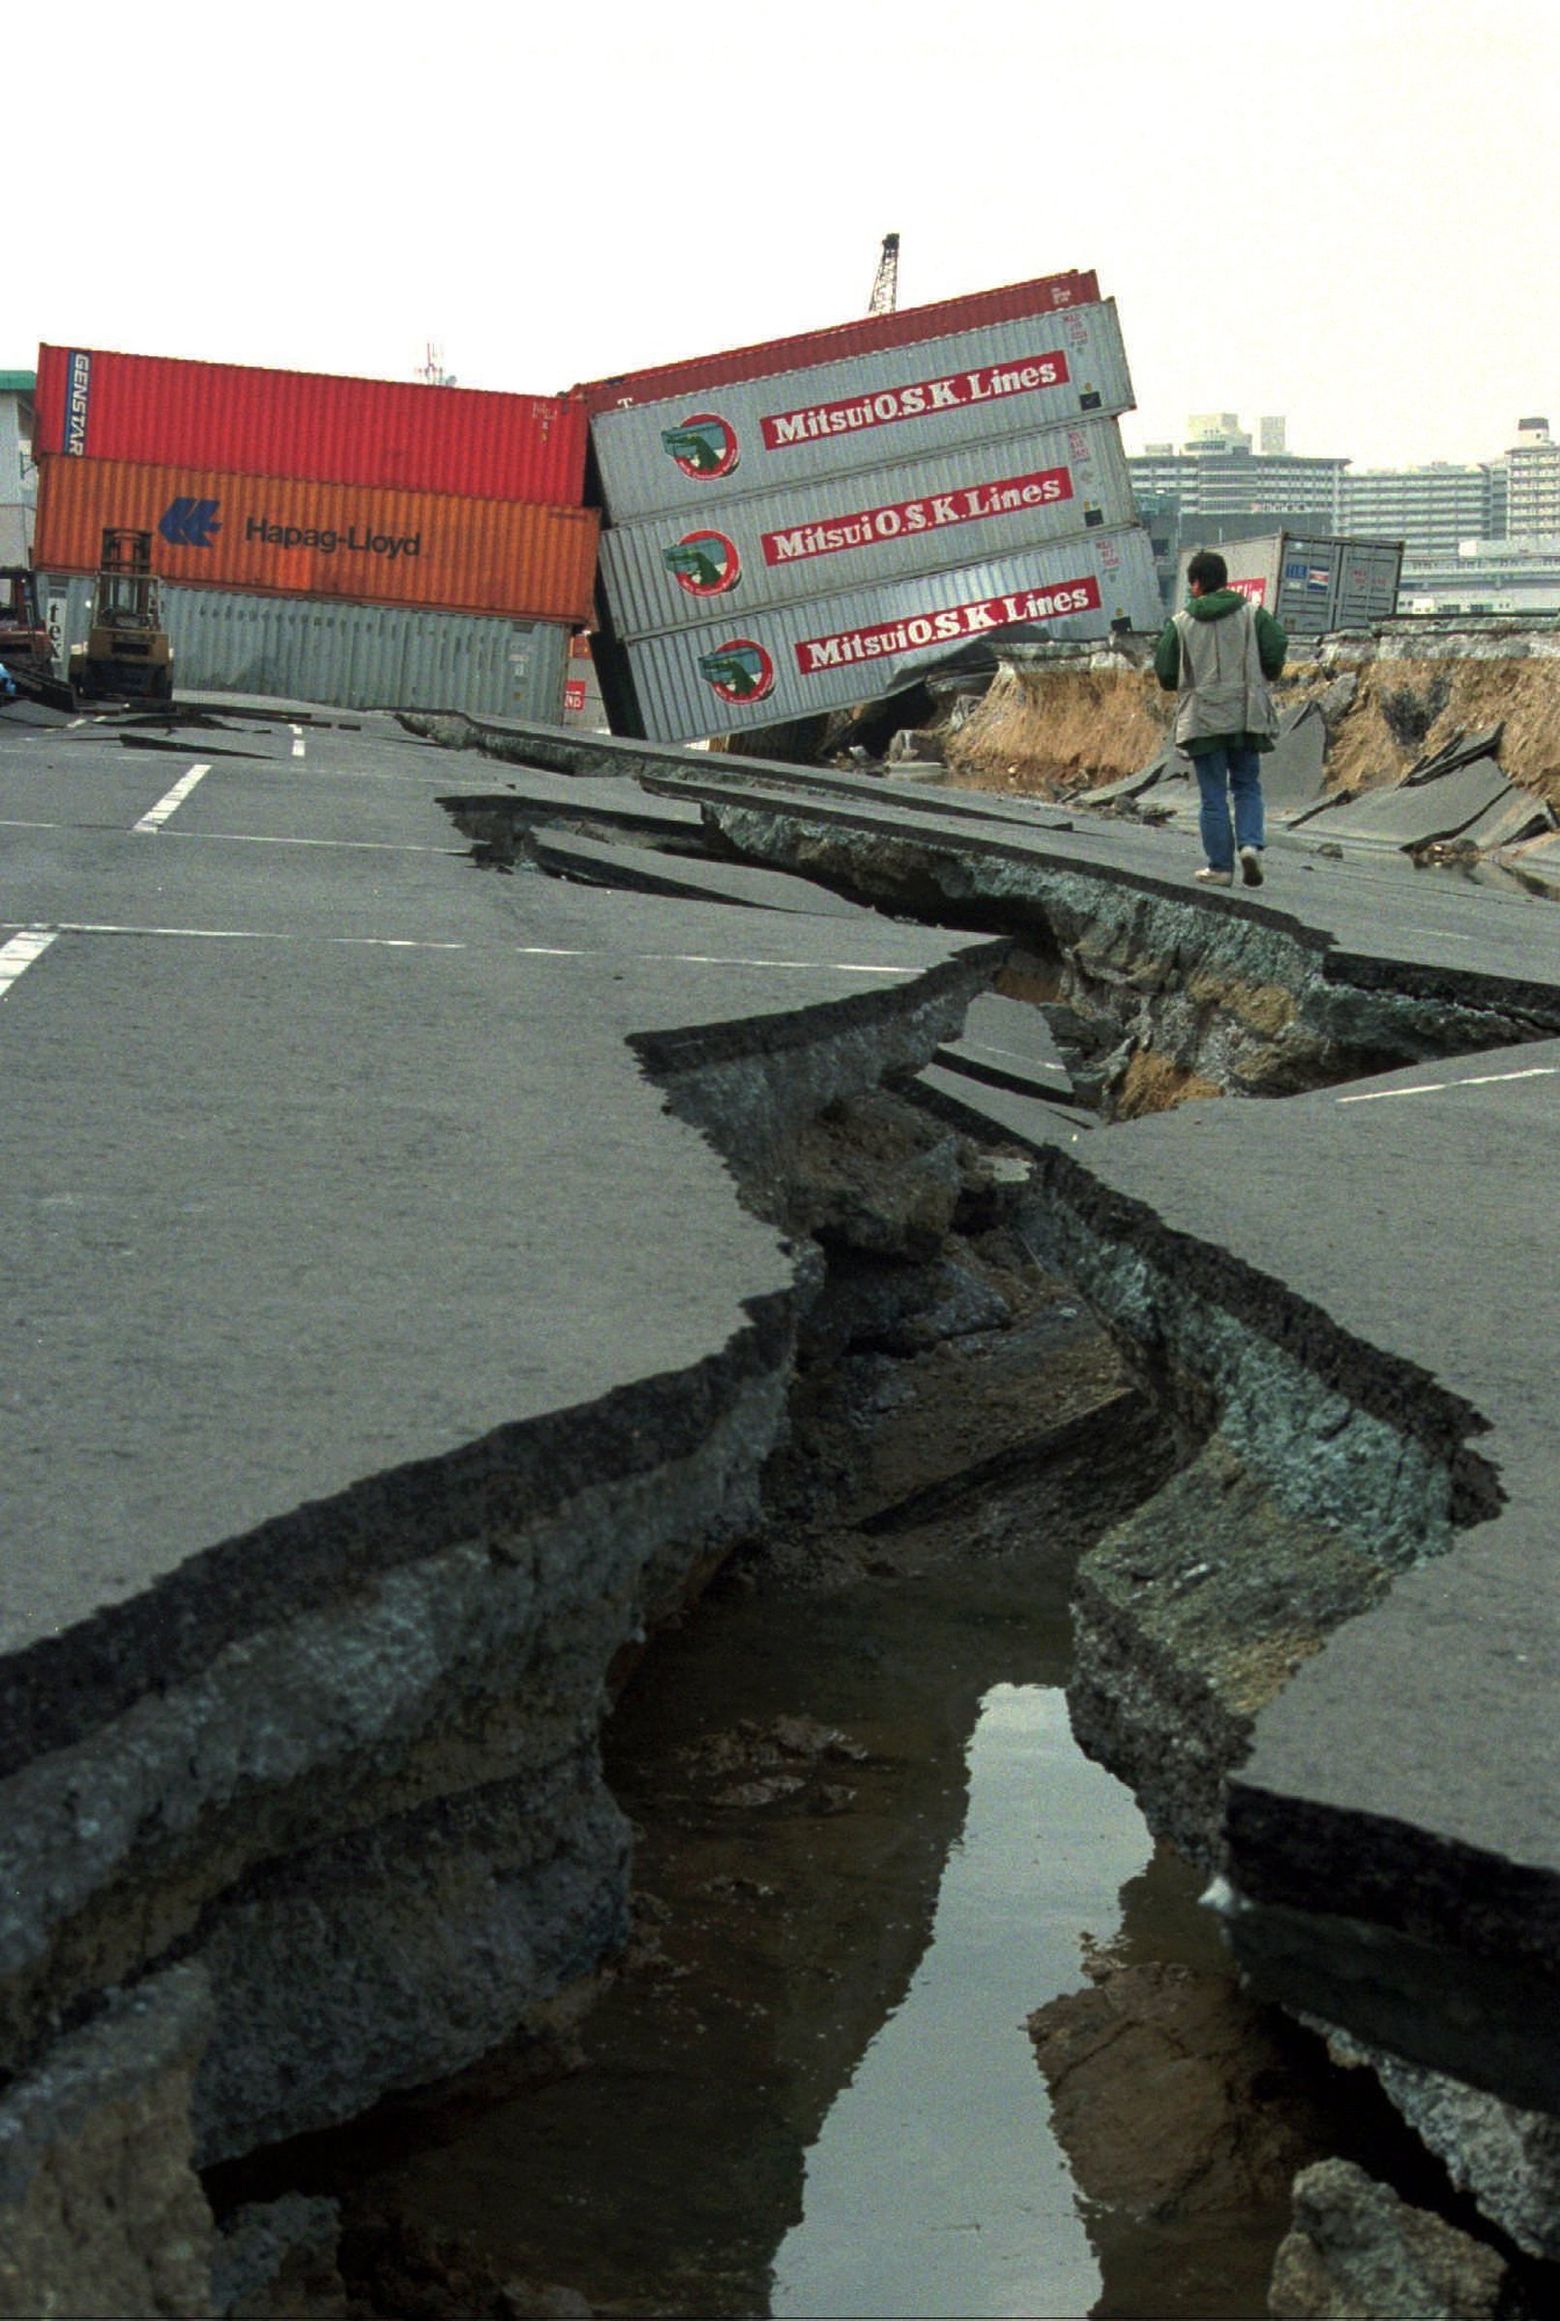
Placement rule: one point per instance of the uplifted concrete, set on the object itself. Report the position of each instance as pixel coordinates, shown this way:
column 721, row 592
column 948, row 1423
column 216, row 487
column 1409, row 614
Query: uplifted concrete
column 389, row 1343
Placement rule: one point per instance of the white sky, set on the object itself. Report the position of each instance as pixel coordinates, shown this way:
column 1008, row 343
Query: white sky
column 1345, row 212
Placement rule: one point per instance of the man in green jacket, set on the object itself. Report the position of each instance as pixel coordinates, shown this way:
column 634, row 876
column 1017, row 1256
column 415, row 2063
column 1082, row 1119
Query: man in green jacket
column 1217, row 654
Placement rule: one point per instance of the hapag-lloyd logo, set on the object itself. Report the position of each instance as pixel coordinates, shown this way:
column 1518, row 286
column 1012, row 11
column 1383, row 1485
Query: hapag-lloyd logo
column 78, row 395
column 952, row 391
column 912, row 633
column 901, row 519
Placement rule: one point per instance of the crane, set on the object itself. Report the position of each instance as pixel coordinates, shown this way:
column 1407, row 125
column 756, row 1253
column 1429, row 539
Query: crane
column 885, row 283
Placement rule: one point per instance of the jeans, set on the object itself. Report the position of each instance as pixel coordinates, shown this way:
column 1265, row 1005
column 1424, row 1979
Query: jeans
column 1223, row 773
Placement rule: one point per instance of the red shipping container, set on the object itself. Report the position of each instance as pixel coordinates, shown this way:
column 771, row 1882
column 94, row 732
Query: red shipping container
column 844, row 339
column 386, row 434
column 283, row 537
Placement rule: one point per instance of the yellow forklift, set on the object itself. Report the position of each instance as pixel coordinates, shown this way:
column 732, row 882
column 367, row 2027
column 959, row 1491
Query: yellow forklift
column 127, row 656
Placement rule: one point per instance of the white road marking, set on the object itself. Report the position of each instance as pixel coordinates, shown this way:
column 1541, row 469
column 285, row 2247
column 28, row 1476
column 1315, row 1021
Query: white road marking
column 175, row 798
column 297, row 733
column 1470, row 1080
column 18, row 955
column 520, row 950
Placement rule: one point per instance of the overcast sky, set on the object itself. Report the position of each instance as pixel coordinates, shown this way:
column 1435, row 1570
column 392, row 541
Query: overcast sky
column 1344, row 213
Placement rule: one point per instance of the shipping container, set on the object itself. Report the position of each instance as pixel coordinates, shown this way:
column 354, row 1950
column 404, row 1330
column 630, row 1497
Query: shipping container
column 385, row 434
column 287, row 538
column 350, row 656
column 792, row 660
column 842, row 532
column 705, row 448
column 1312, row 583
column 843, row 341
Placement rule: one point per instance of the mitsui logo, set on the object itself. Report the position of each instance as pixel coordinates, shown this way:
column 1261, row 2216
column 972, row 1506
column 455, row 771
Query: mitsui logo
column 705, row 446
column 194, row 523
column 704, row 563
column 740, row 670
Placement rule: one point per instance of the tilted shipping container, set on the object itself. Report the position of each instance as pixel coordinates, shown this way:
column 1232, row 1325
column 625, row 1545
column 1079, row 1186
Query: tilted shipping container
column 354, row 656
column 834, row 533
column 841, row 341
column 1312, row 583
column 702, row 449
column 383, row 434
column 286, row 538
column 790, row 660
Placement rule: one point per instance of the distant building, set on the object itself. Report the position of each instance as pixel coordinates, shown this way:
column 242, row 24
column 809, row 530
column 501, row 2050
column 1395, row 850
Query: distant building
column 1533, row 467
column 18, row 476
column 1430, row 509
column 1491, row 576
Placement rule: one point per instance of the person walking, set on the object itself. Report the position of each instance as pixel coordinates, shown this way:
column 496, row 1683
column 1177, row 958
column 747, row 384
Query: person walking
column 1217, row 654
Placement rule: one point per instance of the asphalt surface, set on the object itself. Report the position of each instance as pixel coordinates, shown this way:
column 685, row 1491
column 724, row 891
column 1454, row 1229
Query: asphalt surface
column 327, row 1152
column 325, row 1149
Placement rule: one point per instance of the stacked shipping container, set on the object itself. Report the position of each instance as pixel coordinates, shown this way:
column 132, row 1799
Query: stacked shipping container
column 311, row 489
column 792, row 526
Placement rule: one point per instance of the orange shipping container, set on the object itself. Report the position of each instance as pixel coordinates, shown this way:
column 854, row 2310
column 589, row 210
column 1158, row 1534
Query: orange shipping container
column 286, row 538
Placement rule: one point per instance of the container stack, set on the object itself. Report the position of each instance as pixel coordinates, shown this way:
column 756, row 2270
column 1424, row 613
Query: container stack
column 802, row 525
column 293, row 513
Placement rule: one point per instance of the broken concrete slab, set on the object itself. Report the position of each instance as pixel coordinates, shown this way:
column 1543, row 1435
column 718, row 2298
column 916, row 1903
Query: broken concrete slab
column 997, row 1111
column 1388, row 1841
column 1009, row 1044
column 651, row 871
column 102, row 2210
column 1409, row 818
column 1357, row 2248
column 320, row 1628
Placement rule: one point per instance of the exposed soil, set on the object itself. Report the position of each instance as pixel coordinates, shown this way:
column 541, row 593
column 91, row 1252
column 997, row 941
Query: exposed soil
column 1050, row 732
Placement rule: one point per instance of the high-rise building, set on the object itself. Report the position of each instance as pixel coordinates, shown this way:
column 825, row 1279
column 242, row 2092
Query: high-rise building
column 1216, row 473
column 1432, row 510
column 1533, row 471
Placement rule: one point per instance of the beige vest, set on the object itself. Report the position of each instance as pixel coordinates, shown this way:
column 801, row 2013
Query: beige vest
column 1222, row 686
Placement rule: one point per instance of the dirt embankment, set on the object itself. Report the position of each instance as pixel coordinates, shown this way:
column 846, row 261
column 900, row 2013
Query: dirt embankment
column 1053, row 730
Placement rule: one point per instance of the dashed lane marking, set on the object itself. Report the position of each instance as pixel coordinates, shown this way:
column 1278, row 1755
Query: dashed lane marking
column 1468, row 1080
column 172, row 802
column 518, row 950
column 297, row 733
column 18, row 955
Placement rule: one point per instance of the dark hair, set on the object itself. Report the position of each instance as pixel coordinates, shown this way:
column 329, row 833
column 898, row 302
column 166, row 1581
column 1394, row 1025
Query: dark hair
column 1208, row 569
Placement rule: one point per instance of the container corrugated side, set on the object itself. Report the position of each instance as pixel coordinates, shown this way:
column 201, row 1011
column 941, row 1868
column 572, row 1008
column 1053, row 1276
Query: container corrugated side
column 835, row 533
column 791, row 660
column 287, row 538
column 1370, row 573
column 840, row 341
column 699, row 451
column 365, row 656
column 385, row 434
column 348, row 656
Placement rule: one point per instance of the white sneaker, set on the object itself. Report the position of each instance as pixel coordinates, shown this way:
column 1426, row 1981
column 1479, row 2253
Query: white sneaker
column 1251, row 865
column 1212, row 877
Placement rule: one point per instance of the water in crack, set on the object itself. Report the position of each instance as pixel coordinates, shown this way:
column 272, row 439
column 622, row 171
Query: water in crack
column 936, row 2186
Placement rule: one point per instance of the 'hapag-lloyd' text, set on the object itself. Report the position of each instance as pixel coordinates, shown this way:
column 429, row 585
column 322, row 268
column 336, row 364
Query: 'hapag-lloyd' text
column 912, row 633
column 1009, row 496
column 952, row 392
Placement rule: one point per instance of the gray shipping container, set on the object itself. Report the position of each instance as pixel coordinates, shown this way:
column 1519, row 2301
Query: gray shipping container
column 843, row 532
column 1312, row 583
column 700, row 451
column 350, row 656
column 791, row 660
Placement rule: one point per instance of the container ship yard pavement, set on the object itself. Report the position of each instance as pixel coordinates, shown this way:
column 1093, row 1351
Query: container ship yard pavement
column 513, row 1211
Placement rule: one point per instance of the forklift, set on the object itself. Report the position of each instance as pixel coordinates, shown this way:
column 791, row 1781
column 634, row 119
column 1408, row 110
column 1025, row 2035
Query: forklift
column 24, row 634
column 127, row 655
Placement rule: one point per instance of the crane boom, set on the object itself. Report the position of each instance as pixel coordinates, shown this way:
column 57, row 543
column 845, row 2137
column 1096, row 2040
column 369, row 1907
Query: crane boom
column 885, row 284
